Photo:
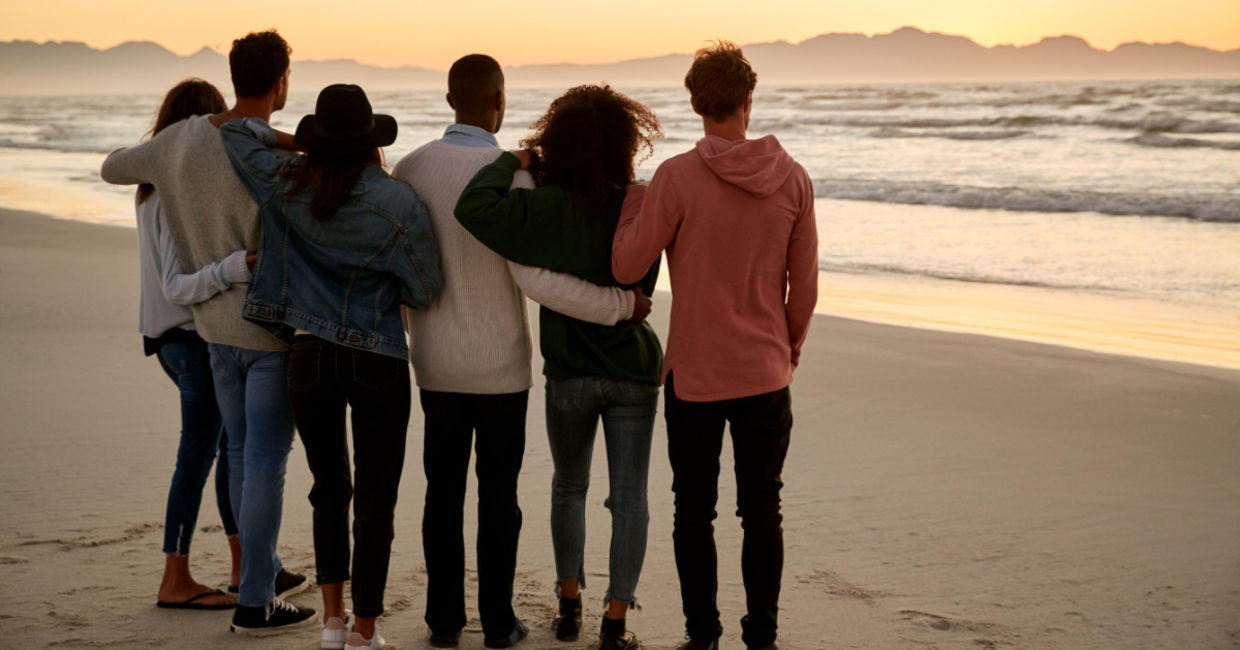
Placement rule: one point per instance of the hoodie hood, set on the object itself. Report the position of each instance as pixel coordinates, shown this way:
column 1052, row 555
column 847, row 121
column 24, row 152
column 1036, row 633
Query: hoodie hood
column 759, row 167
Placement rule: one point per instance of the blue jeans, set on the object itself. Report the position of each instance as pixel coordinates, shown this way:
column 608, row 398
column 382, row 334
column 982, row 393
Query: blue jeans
column 189, row 367
column 627, row 409
column 251, row 387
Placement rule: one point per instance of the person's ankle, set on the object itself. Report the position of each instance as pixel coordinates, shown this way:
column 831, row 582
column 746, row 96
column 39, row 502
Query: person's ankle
column 617, row 610
column 364, row 626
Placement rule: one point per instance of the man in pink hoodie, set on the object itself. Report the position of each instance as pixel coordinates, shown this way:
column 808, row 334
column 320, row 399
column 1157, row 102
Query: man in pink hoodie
column 736, row 217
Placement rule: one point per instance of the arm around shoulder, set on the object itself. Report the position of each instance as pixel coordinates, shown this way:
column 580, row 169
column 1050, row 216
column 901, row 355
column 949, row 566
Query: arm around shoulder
column 523, row 225
column 134, row 165
column 487, row 195
column 417, row 261
column 648, row 223
column 249, row 145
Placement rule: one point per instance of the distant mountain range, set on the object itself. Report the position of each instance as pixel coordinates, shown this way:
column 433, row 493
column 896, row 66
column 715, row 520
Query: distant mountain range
column 905, row 55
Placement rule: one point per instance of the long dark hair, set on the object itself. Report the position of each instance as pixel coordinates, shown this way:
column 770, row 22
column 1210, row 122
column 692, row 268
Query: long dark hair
column 186, row 99
column 588, row 139
column 331, row 176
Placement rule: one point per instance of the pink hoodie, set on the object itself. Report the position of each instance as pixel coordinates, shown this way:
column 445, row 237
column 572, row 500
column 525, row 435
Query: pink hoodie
column 737, row 220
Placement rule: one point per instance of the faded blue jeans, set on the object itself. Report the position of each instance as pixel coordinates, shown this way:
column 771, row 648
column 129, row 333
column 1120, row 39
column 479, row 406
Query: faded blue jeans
column 252, row 389
column 574, row 407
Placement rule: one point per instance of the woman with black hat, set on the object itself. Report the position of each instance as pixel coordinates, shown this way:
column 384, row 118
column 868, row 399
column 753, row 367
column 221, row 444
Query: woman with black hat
column 343, row 247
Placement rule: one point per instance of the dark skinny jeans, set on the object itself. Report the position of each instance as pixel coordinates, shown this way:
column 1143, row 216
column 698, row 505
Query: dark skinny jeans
column 761, row 427
column 322, row 378
column 494, row 425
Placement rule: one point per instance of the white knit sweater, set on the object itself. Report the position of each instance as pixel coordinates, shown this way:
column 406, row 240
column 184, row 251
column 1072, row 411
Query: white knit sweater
column 476, row 337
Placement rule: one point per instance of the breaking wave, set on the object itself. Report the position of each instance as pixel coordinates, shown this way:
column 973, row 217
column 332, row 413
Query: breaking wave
column 957, row 275
column 1224, row 207
column 892, row 132
column 1167, row 142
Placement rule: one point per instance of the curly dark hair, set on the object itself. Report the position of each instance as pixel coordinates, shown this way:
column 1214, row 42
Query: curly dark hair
column 588, row 140
column 256, row 61
column 719, row 80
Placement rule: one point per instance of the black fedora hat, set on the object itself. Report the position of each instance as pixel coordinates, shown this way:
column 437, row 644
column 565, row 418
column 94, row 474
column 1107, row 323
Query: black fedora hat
column 344, row 123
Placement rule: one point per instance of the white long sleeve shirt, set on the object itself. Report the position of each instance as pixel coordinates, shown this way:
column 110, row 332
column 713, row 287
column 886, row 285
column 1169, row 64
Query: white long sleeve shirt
column 166, row 291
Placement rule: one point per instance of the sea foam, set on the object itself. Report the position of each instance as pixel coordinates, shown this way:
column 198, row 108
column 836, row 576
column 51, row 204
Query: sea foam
column 1221, row 207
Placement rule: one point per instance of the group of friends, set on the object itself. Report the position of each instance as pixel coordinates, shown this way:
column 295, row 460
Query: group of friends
column 285, row 277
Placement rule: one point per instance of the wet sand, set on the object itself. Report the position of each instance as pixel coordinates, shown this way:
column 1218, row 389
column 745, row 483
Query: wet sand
column 943, row 490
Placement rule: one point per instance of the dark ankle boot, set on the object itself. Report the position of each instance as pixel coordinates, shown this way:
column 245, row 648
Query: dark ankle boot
column 613, row 636
column 568, row 623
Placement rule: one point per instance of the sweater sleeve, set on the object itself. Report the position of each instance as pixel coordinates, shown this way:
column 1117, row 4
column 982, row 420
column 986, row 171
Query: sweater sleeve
column 138, row 164
column 528, row 226
column 416, row 262
column 248, row 143
column 802, row 272
column 648, row 224
column 187, row 289
column 572, row 296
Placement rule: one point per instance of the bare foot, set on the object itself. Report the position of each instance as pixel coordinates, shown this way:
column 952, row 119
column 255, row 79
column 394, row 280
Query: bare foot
column 184, row 592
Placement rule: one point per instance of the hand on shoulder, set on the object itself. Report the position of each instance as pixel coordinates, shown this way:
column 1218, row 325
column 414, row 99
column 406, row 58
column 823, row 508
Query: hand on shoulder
column 525, row 156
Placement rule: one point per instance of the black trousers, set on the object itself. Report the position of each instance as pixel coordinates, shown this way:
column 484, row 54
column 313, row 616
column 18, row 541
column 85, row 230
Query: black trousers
column 761, row 427
column 322, row 378
column 495, row 426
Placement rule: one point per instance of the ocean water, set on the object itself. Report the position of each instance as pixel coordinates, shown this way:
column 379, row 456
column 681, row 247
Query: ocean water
column 1125, row 190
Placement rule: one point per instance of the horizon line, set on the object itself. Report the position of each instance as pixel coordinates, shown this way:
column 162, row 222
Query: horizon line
column 653, row 56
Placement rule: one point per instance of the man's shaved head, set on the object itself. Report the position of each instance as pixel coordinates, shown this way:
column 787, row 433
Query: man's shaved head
column 473, row 82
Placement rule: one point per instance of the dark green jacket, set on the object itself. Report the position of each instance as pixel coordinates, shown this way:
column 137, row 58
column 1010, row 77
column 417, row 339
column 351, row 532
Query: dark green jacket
column 555, row 228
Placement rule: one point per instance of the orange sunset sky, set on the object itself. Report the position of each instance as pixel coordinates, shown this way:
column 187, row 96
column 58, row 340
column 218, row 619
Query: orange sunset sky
column 433, row 34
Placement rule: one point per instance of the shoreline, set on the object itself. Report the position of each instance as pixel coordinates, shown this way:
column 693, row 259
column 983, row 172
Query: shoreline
column 945, row 490
column 1133, row 327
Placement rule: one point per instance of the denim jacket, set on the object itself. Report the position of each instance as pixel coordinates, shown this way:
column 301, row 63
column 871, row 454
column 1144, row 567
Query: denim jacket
column 344, row 279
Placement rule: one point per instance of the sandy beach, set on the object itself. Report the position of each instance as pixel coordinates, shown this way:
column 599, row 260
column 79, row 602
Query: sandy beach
column 943, row 490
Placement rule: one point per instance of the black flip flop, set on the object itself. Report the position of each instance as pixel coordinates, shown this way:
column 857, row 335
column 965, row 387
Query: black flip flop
column 191, row 602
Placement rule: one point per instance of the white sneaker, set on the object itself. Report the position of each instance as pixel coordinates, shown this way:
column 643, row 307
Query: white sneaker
column 356, row 642
column 335, row 633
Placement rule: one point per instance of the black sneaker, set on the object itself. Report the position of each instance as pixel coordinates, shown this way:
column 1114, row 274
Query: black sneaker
column 519, row 630
column 614, row 637
column 289, row 583
column 275, row 616
column 445, row 639
column 568, row 622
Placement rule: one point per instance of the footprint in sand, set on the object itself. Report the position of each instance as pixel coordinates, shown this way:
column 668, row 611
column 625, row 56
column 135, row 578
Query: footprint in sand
column 838, row 586
column 943, row 623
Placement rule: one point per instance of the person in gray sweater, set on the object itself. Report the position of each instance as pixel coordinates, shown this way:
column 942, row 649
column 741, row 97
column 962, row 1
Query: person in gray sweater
column 210, row 215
